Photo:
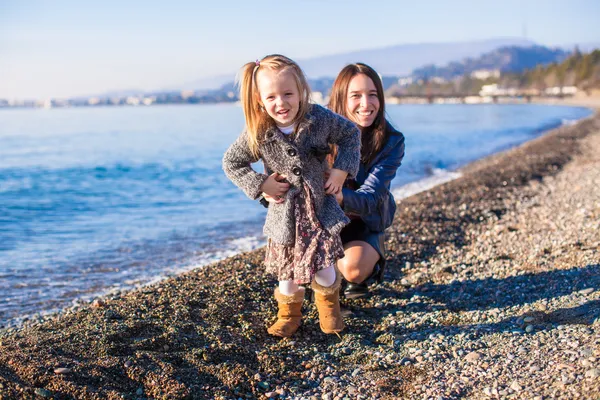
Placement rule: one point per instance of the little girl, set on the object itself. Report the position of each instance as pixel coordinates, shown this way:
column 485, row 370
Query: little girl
column 292, row 138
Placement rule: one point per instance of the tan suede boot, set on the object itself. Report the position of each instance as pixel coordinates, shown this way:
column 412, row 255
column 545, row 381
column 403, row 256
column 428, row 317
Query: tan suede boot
column 327, row 300
column 289, row 316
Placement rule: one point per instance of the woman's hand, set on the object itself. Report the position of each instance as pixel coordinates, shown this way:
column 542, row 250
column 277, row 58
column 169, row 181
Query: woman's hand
column 275, row 186
column 335, row 181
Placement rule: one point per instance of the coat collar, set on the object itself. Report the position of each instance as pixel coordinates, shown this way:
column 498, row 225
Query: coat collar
column 273, row 133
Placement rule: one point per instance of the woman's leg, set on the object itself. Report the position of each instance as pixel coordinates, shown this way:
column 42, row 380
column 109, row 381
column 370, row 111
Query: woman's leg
column 359, row 261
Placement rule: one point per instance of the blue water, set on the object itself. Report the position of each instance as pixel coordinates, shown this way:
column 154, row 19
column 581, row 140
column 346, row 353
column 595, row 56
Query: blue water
column 98, row 199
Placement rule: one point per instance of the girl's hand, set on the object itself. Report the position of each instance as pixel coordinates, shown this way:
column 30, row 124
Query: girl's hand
column 274, row 200
column 336, row 179
column 339, row 197
column 275, row 185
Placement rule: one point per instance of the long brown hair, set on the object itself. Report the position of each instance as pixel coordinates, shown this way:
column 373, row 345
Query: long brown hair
column 373, row 137
column 257, row 120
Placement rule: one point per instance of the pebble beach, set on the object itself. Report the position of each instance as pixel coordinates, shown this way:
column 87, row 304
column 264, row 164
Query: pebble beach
column 492, row 291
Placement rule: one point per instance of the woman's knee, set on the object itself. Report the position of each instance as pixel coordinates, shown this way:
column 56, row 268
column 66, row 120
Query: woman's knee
column 352, row 271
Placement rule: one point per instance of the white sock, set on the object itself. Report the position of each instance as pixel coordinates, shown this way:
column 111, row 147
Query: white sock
column 326, row 276
column 288, row 288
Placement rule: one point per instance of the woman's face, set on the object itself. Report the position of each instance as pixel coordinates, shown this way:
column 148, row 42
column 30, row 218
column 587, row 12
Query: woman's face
column 362, row 103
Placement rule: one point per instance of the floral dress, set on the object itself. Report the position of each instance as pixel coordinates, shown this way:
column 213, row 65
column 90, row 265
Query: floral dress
column 314, row 247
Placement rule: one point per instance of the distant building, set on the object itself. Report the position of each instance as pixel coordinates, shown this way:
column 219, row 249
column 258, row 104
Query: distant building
column 60, row 103
column 186, row 94
column 483, row 74
column 408, row 80
column 557, row 90
column 133, row 101
column 490, row 90
column 46, row 103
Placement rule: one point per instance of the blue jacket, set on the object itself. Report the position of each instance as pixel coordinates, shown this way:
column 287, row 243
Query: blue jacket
column 373, row 201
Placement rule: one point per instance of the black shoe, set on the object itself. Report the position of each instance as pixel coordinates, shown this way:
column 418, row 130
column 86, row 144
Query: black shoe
column 377, row 274
column 355, row 290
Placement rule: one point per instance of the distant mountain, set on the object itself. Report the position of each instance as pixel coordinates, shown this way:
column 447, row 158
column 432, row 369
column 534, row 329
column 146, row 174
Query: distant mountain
column 402, row 59
column 580, row 69
column 505, row 59
column 393, row 60
column 587, row 47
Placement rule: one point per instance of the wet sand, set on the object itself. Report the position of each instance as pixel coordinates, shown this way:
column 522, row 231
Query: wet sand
column 492, row 291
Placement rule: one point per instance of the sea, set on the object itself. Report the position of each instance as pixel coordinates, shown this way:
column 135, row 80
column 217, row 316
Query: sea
column 98, row 200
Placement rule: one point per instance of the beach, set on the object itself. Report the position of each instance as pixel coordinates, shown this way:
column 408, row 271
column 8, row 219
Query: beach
column 492, row 290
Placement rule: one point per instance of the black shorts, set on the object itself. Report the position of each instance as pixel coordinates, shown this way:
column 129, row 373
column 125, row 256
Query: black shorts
column 357, row 230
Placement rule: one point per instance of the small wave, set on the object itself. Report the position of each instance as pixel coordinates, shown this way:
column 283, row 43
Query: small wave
column 231, row 248
column 438, row 176
column 569, row 122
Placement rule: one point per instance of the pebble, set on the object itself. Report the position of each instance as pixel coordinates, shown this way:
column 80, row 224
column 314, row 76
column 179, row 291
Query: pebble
column 62, row 371
column 515, row 386
column 43, row 392
column 593, row 373
column 98, row 303
column 473, row 357
column 534, row 368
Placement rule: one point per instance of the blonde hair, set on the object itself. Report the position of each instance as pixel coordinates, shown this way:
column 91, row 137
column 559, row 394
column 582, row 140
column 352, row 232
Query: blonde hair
column 257, row 120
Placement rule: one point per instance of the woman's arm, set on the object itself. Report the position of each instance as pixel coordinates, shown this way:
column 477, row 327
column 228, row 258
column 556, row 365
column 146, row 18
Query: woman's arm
column 236, row 164
column 365, row 200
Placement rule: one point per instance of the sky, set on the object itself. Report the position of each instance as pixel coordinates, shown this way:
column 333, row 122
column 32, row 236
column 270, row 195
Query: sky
column 68, row 48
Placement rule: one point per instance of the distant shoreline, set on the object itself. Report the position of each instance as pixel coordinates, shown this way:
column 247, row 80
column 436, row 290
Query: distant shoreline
column 421, row 100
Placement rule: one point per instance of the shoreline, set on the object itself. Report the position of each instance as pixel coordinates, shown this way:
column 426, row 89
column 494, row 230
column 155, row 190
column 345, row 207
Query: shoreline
column 202, row 334
column 437, row 177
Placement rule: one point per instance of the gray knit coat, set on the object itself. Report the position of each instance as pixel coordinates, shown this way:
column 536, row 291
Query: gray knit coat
column 300, row 159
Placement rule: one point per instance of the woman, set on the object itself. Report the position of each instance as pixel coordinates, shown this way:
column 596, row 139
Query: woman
column 357, row 94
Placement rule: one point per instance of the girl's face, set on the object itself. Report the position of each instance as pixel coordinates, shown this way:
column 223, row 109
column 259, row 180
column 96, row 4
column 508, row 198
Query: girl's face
column 362, row 103
column 279, row 95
